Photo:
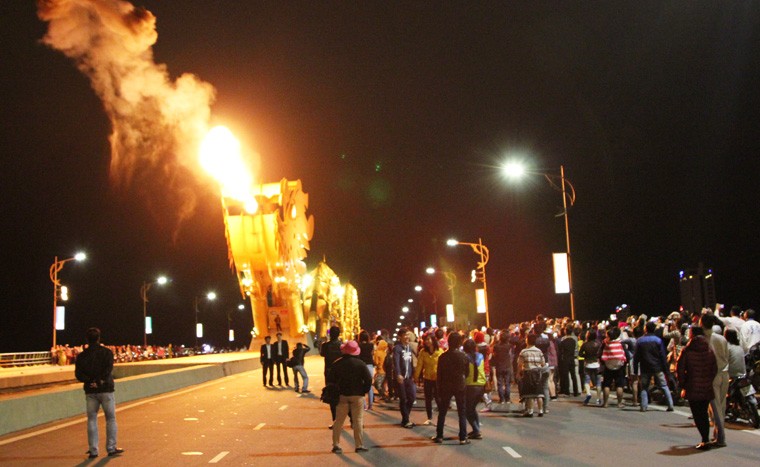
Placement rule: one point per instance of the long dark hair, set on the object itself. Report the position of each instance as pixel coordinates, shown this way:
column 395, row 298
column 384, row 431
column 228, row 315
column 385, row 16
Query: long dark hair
column 433, row 341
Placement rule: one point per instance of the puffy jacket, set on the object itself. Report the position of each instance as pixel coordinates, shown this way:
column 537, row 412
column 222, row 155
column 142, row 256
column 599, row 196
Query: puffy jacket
column 696, row 370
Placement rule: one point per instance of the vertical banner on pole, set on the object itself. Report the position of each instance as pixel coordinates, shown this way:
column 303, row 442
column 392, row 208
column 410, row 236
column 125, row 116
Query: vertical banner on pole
column 480, row 300
column 561, row 277
column 148, row 325
column 199, row 330
column 232, row 335
column 433, row 321
column 60, row 318
column 449, row 313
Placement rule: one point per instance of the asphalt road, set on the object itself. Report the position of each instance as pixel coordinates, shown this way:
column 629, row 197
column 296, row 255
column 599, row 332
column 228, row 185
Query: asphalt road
column 235, row 421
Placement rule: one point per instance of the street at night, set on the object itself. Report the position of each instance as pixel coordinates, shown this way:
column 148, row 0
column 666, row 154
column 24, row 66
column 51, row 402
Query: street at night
column 235, row 421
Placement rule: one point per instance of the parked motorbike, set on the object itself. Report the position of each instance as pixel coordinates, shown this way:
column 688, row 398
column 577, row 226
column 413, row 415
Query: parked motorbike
column 741, row 402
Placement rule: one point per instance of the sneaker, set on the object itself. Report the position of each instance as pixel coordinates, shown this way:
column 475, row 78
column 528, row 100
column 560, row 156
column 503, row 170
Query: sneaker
column 586, row 400
column 428, row 422
column 641, row 409
column 702, row 446
column 91, row 455
column 528, row 415
column 540, row 414
column 464, row 441
column 361, row 449
column 669, row 409
column 337, row 450
column 116, row 452
column 485, row 410
column 474, row 435
column 437, row 440
column 409, row 425
column 620, row 405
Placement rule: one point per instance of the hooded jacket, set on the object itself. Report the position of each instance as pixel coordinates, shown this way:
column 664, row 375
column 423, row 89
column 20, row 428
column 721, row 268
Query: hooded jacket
column 696, row 370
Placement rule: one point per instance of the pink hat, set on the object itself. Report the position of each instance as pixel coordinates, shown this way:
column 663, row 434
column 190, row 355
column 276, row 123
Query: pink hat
column 350, row 348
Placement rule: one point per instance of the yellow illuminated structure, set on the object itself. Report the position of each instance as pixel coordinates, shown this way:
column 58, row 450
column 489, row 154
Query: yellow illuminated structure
column 266, row 249
column 329, row 303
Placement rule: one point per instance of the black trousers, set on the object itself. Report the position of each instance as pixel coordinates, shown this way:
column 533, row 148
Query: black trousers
column 431, row 394
column 267, row 366
column 444, row 399
column 280, row 365
column 701, row 418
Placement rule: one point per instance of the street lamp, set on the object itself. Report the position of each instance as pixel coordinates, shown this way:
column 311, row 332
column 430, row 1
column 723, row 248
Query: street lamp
column 481, row 250
column 55, row 268
column 211, row 296
column 515, row 170
column 451, row 280
column 144, row 294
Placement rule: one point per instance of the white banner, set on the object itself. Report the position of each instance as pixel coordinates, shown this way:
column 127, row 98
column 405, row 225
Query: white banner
column 449, row 313
column 480, row 300
column 60, row 318
column 148, row 325
column 561, row 276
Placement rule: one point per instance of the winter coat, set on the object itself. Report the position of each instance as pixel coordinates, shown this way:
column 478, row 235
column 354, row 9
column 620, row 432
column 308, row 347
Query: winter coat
column 696, row 370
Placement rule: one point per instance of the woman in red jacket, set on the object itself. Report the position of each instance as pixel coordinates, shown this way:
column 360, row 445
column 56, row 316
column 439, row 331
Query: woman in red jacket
column 696, row 369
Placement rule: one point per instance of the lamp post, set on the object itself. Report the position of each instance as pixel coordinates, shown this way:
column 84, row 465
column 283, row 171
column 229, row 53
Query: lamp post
column 210, row 297
column 55, row 268
column 144, row 294
column 516, row 170
column 451, row 280
column 481, row 250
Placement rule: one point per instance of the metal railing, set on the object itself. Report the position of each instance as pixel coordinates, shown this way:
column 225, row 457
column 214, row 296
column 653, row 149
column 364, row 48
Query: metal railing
column 24, row 359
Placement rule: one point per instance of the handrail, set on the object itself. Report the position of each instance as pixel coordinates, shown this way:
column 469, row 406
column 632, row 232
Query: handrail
column 24, row 359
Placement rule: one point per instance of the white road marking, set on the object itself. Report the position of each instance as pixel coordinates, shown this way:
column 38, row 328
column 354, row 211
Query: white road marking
column 192, row 453
column 283, row 407
column 218, row 457
column 191, row 419
column 511, row 452
column 259, row 426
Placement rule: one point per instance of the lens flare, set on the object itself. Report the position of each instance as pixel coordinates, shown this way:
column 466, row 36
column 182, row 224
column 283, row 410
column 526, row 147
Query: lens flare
column 221, row 157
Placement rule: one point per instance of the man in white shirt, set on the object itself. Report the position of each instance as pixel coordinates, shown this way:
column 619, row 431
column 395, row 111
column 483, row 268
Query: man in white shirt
column 734, row 320
column 749, row 334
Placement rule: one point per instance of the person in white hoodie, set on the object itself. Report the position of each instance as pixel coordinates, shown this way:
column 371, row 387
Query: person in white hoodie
column 719, row 346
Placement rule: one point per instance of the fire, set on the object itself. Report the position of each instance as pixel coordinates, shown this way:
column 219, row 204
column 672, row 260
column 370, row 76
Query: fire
column 222, row 158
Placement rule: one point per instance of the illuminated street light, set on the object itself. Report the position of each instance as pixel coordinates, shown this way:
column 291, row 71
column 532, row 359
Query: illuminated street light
column 451, row 279
column 515, row 170
column 55, row 268
column 405, row 309
column 482, row 251
column 210, row 297
column 144, row 294
column 418, row 288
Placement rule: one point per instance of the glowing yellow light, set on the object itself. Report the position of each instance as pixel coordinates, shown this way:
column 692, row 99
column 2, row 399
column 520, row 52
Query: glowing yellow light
column 221, row 157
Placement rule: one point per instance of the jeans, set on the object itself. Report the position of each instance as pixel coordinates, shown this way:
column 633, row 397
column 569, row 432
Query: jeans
column 108, row 402
column 352, row 404
column 430, row 385
column 444, row 399
column 504, row 383
column 661, row 383
column 371, row 393
column 379, row 380
column 300, row 369
column 473, row 394
column 407, row 393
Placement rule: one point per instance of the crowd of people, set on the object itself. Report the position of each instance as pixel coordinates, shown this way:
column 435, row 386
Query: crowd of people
column 67, row 355
column 680, row 358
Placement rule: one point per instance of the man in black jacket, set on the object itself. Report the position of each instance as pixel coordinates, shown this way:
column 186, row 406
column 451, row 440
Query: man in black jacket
column 281, row 352
column 354, row 380
column 453, row 369
column 94, row 368
column 330, row 350
column 267, row 360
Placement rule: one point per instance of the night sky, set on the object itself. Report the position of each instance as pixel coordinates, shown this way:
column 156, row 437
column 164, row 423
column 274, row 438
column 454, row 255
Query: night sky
column 397, row 117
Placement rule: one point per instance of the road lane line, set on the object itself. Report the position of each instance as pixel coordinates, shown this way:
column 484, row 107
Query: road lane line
column 511, row 452
column 752, row 432
column 118, row 409
column 283, row 407
column 218, row 457
column 259, row 426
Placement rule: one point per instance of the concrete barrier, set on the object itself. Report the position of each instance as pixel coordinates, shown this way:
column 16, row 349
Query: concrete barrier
column 26, row 410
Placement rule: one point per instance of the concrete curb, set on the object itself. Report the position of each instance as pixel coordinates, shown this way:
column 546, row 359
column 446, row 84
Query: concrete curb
column 26, row 411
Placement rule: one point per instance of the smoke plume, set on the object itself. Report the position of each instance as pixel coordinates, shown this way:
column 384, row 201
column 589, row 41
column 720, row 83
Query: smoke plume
column 157, row 123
